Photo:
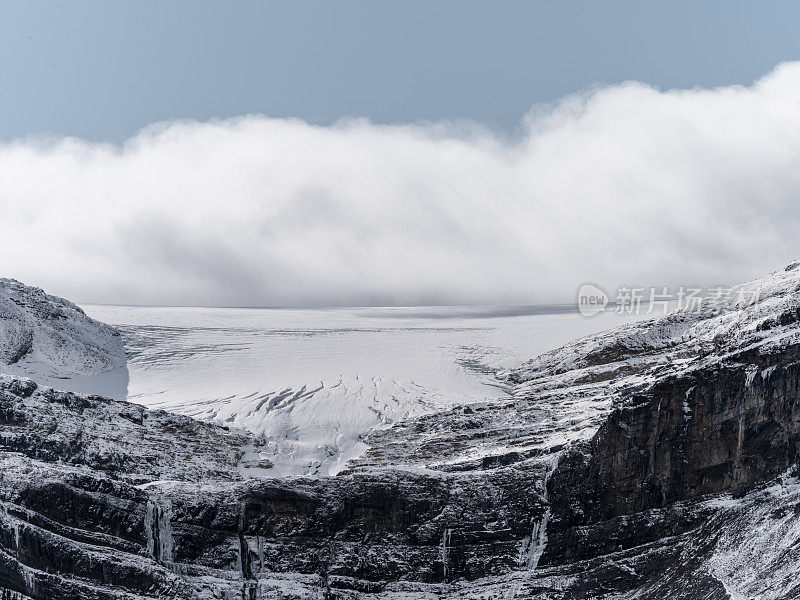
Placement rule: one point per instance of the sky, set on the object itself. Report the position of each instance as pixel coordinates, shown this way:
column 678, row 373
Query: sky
column 351, row 153
column 103, row 70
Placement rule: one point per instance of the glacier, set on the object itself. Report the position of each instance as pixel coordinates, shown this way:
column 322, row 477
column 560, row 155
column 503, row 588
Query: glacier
column 316, row 382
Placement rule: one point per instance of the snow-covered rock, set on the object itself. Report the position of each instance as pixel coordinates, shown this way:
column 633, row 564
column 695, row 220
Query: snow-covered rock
column 655, row 460
column 52, row 341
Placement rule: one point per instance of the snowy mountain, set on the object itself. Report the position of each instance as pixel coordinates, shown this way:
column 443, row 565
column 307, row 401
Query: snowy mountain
column 52, row 341
column 658, row 459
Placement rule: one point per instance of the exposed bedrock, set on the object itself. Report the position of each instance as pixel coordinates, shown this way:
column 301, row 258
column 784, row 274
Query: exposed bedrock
column 719, row 429
column 111, row 496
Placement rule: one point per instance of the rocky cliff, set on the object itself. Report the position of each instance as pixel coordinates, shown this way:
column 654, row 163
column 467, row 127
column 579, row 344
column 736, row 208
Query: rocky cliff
column 656, row 460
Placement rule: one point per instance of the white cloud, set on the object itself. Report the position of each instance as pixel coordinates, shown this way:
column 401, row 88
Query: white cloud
column 624, row 184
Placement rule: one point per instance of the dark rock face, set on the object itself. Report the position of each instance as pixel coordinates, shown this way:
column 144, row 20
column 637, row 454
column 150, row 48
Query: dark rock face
column 722, row 429
column 108, row 495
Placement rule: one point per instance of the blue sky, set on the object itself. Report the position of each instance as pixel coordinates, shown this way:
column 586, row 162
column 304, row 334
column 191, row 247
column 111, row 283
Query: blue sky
column 103, row 70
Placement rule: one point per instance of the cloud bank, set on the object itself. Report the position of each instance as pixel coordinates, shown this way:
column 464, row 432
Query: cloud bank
column 619, row 185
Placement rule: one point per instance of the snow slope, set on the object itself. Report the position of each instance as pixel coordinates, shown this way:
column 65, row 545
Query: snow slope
column 52, row 341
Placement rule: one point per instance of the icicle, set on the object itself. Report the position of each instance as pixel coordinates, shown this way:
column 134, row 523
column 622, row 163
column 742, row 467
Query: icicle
column 30, row 580
column 165, row 532
column 538, row 541
column 532, row 548
column 158, row 528
column 444, row 551
column 15, row 525
column 244, row 548
column 148, row 527
column 750, row 374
